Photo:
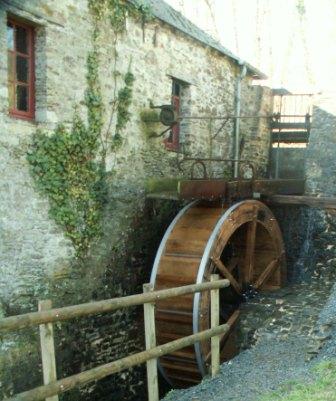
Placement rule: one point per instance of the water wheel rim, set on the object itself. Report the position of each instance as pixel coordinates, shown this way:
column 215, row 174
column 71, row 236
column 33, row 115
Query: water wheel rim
column 200, row 277
column 206, row 259
column 223, row 231
column 157, row 260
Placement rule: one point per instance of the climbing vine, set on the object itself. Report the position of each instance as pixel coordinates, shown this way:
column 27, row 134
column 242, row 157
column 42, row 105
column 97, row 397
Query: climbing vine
column 118, row 11
column 68, row 165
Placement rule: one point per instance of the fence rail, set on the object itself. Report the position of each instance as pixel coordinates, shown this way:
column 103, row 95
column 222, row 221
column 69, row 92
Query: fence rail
column 45, row 318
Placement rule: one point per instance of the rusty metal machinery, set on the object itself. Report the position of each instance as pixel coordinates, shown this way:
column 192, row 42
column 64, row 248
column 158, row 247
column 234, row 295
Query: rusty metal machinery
column 243, row 243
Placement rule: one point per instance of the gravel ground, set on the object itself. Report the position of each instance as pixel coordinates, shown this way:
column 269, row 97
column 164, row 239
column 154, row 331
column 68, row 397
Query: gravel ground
column 274, row 363
column 327, row 328
column 277, row 356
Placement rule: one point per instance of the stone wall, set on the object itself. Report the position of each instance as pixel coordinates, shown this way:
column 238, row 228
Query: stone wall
column 255, row 132
column 291, row 162
column 36, row 259
column 321, row 181
column 309, row 233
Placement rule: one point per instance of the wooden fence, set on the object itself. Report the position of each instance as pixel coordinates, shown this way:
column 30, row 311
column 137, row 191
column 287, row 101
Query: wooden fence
column 46, row 316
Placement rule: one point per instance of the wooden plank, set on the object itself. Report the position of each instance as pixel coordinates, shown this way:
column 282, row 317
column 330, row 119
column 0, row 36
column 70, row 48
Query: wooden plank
column 150, row 340
column 202, row 189
column 108, row 305
column 279, row 187
column 188, row 245
column 232, row 264
column 100, row 372
column 48, row 349
column 231, row 322
column 312, row 201
column 250, row 249
column 266, row 273
column 290, row 137
column 225, row 273
column 289, row 125
column 247, row 188
column 215, row 341
column 230, row 190
column 240, row 189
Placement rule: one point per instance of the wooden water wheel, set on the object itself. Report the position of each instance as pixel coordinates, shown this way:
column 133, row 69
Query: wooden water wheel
column 242, row 243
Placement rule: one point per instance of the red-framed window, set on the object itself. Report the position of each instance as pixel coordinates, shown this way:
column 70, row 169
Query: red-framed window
column 173, row 140
column 21, row 77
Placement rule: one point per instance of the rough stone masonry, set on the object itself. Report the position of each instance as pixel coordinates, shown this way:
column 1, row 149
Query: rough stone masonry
column 36, row 259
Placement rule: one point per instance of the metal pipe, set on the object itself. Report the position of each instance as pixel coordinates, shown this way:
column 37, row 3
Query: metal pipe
column 237, row 121
column 225, row 117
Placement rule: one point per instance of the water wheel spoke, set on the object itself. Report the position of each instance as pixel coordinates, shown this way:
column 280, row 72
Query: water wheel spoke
column 232, row 264
column 231, row 322
column 264, row 276
column 225, row 273
column 250, row 248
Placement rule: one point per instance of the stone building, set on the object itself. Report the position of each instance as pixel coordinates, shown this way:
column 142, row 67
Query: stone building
column 44, row 47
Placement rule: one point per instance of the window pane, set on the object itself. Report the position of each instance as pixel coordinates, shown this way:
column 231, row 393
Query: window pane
column 11, row 95
column 10, row 66
column 21, row 69
column 22, row 98
column 21, row 40
column 10, row 36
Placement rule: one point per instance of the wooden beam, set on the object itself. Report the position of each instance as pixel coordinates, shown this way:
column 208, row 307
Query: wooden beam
column 232, row 264
column 311, row 201
column 47, row 349
column 150, row 339
column 250, row 248
column 215, row 340
column 225, row 273
column 264, row 276
column 244, row 189
column 211, row 189
column 100, row 372
column 108, row 305
column 279, row 187
column 202, row 189
column 231, row 322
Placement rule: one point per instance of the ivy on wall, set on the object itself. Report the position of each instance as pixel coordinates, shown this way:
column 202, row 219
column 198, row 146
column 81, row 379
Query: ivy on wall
column 68, row 165
column 118, row 11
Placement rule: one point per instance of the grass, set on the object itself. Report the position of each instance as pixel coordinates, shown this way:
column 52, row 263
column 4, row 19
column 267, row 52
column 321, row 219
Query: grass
column 322, row 388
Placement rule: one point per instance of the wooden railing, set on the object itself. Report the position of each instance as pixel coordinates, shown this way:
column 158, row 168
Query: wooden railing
column 45, row 317
column 293, row 108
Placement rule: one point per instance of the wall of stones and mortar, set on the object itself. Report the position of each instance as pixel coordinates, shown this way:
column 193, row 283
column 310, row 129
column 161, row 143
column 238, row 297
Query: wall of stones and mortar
column 321, row 177
column 291, row 162
column 310, row 234
column 36, row 259
column 255, row 132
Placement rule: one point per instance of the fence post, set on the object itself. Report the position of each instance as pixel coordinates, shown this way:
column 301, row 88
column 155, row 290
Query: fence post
column 150, row 337
column 47, row 349
column 215, row 341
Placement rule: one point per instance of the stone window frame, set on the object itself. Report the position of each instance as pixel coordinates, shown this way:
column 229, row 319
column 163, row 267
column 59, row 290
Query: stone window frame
column 30, row 55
